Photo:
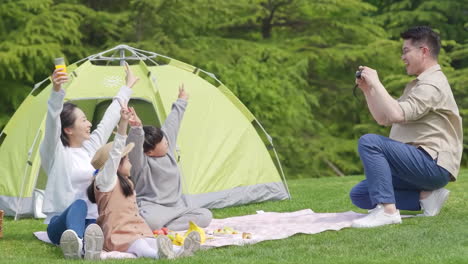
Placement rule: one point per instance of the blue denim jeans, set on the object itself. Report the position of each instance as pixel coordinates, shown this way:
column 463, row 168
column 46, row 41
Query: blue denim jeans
column 396, row 173
column 74, row 217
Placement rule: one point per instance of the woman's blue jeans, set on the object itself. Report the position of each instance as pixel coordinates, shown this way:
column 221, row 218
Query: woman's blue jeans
column 74, row 217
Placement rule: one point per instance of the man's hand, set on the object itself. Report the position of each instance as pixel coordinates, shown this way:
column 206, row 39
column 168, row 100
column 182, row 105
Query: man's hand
column 182, row 93
column 134, row 120
column 130, row 78
column 59, row 77
column 369, row 79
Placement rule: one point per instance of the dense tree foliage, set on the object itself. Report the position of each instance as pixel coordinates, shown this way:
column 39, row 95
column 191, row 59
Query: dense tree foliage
column 291, row 62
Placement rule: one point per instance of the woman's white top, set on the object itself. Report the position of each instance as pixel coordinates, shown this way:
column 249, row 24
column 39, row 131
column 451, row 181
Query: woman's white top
column 69, row 170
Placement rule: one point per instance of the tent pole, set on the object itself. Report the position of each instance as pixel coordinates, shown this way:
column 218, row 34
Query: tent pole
column 122, row 57
column 28, row 163
column 277, row 159
column 182, row 178
column 282, row 173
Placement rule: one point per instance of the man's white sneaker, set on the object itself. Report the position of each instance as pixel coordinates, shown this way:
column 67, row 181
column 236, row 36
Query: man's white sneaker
column 433, row 203
column 165, row 248
column 93, row 242
column 377, row 217
column 71, row 244
column 191, row 244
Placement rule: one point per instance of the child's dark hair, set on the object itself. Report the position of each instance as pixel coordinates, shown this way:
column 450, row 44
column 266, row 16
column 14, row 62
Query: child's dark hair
column 67, row 119
column 153, row 135
column 124, row 183
column 424, row 34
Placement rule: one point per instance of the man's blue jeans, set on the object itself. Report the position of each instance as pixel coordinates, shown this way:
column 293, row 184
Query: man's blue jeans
column 74, row 217
column 396, row 173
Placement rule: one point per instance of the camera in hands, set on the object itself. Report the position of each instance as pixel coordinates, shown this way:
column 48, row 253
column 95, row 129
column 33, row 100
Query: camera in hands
column 358, row 74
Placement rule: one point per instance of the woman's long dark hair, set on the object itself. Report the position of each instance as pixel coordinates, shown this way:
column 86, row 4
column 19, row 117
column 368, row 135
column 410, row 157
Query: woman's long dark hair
column 67, row 118
column 127, row 187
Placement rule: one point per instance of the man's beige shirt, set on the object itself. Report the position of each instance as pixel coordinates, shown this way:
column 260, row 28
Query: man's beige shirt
column 432, row 120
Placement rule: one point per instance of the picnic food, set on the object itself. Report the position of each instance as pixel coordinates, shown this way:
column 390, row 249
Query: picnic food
column 246, row 235
column 226, row 231
column 162, row 231
column 178, row 240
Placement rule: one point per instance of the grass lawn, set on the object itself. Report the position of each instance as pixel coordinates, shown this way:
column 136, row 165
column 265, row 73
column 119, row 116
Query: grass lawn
column 440, row 239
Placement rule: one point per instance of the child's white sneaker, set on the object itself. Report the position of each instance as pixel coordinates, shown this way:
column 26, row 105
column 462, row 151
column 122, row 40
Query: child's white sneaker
column 433, row 203
column 71, row 244
column 191, row 244
column 165, row 248
column 93, row 242
column 377, row 217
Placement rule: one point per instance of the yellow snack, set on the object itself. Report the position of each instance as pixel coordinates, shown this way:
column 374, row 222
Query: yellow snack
column 178, row 240
column 246, row 235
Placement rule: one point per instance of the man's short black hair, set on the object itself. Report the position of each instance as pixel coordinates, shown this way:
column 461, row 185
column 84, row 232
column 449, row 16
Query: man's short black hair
column 153, row 135
column 424, row 34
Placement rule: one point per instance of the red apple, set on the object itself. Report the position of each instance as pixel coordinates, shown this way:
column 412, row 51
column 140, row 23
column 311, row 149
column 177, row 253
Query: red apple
column 158, row 232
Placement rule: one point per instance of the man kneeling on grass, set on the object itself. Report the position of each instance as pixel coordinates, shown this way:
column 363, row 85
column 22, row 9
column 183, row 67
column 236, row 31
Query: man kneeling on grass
column 409, row 170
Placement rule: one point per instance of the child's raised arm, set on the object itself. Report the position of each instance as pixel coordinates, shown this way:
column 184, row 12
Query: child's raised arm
column 172, row 123
column 137, row 136
column 107, row 176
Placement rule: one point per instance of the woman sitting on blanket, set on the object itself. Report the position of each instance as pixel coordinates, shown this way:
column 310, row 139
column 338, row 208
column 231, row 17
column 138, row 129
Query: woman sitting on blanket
column 124, row 229
column 66, row 153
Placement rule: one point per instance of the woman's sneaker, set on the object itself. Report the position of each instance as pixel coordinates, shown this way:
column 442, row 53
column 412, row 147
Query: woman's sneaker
column 165, row 248
column 71, row 244
column 93, row 242
column 191, row 244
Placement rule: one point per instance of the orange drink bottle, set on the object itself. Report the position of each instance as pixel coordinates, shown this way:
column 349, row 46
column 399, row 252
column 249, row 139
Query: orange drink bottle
column 60, row 64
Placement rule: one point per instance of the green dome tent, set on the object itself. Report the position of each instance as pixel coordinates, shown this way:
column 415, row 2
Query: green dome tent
column 225, row 155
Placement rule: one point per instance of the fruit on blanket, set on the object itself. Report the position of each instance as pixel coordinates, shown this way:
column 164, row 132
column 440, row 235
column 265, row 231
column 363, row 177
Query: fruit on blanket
column 199, row 230
column 229, row 230
column 158, row 232
column 246, row 235
column 226, row 231
column 178, row 240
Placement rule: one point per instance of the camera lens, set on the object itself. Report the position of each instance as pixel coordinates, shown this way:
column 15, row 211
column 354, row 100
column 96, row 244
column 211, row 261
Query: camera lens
column 358, row 74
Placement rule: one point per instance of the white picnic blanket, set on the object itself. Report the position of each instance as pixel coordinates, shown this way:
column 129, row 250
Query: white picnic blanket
column 262, row 226
column 271, row 226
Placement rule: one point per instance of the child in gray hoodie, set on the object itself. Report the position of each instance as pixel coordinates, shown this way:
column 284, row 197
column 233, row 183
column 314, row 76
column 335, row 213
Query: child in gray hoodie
column 157, row 176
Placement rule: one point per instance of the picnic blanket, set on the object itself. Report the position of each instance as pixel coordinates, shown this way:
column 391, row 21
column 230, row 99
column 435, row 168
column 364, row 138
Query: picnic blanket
column 262, row 226
column 271, row 226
